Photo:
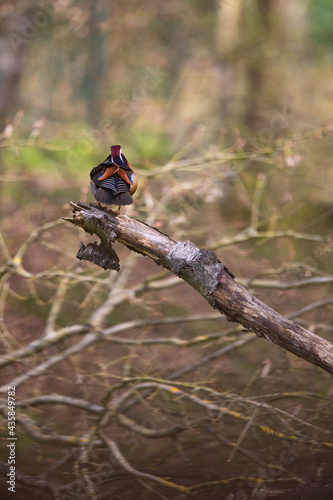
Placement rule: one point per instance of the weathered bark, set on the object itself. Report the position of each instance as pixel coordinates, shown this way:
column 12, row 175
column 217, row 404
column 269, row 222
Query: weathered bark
column 204, row 272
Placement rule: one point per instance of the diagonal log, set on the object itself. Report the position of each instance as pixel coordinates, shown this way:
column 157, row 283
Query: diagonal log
column 204, row 272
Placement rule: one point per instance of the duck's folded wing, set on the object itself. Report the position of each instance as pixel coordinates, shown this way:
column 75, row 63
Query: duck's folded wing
column 116, row 184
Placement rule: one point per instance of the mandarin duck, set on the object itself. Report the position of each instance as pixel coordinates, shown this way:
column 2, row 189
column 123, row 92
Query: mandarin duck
column 113, row 181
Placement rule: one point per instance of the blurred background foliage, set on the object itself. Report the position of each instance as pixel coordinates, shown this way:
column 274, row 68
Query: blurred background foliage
column 224, row 109
column 170, row 81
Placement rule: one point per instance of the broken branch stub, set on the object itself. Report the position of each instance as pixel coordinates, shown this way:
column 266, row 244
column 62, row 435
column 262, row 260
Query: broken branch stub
column 99, row 255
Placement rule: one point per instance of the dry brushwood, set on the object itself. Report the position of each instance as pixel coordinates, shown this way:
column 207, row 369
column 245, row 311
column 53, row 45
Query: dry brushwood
column 204, row 272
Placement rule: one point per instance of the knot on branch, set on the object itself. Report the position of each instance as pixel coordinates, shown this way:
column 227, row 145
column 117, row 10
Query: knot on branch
column 102, row 255
column 200, row 268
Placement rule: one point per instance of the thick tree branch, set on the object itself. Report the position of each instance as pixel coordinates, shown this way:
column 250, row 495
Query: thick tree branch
column 204, row 272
